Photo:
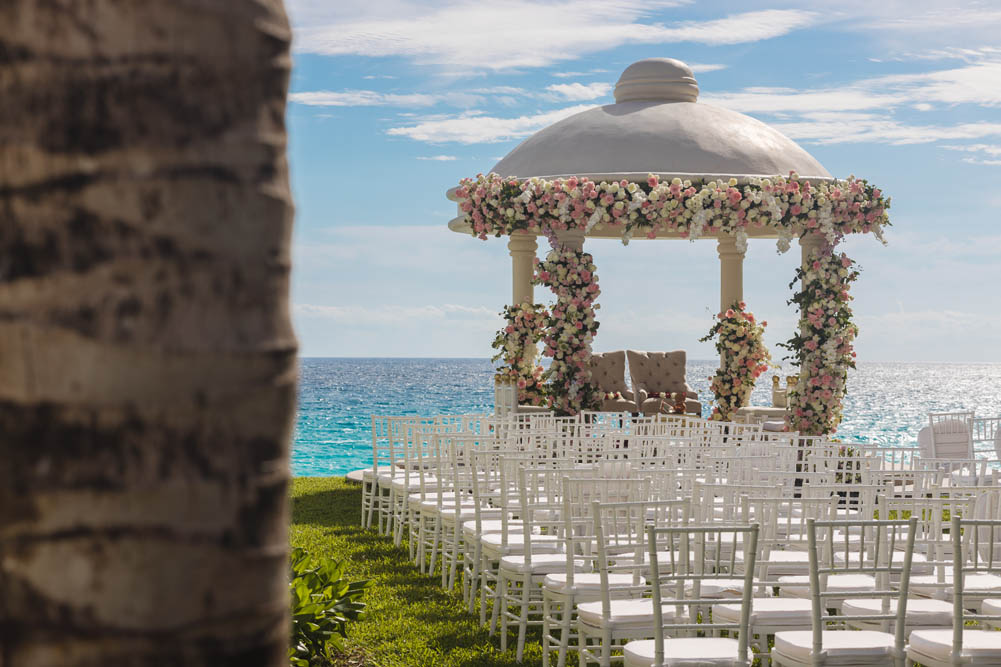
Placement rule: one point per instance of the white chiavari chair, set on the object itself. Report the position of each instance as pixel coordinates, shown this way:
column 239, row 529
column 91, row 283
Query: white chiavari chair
column 967, row 642
column 677, row 586
column 830, row 641
column 622, row 612
column 563, row 591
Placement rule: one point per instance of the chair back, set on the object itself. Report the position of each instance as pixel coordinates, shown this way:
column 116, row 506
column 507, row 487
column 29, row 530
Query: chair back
column 658, row 371
column 682, row 561
column 878, row 562
column 949, row 435
column 974, row 550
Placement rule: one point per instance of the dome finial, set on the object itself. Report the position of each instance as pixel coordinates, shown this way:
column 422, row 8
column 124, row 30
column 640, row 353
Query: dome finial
column 657, row 79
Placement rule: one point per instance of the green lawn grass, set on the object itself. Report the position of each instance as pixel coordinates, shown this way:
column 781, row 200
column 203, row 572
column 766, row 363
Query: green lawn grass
column 410, row 620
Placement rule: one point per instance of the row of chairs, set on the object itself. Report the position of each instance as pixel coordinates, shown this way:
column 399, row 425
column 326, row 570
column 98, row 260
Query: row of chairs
column 515, row 509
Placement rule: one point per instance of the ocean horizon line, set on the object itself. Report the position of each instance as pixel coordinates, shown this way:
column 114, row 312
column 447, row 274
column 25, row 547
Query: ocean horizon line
column 433, row 358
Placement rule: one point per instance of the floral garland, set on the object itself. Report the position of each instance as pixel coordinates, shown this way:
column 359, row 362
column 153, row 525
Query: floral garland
column 570, row 274
column 516, row 343
column 823, row 349
column 495, row 205
column 740, row 343
column 785, row 206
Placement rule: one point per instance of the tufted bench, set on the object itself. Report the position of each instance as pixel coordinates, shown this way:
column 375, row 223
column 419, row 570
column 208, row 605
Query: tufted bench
column 608, row 373
column 654, row 372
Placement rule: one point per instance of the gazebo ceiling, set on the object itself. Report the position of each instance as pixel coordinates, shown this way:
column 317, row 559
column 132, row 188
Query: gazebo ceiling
column 657, row 126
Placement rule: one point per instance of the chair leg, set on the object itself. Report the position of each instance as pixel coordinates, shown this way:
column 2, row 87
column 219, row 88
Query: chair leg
column 546, row 610
column 606, row 647
column 500, row 605
column 566, row 617
column 526, row 591
column 435, row 538
column 487, row 591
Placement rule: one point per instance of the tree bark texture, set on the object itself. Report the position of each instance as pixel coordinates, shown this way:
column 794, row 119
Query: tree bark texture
column 147, row 360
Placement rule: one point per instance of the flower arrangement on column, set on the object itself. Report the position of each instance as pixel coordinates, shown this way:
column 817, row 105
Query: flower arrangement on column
column 517, row 347
column 740, row 343
column 570, row 274
column 823, row 348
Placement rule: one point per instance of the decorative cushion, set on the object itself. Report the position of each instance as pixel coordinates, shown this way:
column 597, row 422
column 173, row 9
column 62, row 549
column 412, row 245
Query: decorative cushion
column 684, row 651
column 841, row 646
column 651, row 406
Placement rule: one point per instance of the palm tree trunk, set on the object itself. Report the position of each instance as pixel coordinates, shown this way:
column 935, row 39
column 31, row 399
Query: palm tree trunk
column 147, row 360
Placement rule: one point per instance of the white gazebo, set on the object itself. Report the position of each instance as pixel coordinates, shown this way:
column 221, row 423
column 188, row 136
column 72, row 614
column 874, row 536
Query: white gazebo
column 656, row 126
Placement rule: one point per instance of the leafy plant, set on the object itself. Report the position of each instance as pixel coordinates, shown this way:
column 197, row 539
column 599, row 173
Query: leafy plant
column 323, row 602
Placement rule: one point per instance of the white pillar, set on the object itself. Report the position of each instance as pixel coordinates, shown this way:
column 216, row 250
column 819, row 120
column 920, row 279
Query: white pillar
column 522, row 247
column 731, row 272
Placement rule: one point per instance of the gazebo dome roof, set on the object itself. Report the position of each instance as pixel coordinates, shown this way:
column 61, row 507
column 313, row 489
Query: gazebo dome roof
column 657, row 126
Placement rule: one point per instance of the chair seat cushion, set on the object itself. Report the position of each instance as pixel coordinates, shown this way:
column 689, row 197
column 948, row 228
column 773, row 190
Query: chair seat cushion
column 492, row 544
column 717, row 588
column 799, row 586
column 633, row 613
column 978, row 583
column 780, row 563
column 919, row 562
column 794, row 612
column 844, row 647
column 468, row 513
column 541, row 564
column 938, row 644
column 490, row 526
column 589, row 582
column 684, row 651
column 920, row 612
column 991, row 608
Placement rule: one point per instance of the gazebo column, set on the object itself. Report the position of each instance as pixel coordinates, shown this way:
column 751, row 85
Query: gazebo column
column 522, row 247
column 731, row 272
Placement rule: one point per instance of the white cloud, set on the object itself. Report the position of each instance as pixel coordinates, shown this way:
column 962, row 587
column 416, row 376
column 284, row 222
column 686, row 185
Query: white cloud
column 837, row 128
column 986, row 154
column 475, row 129
column 569, row 75
column 706, row 67
column 521, row 33
column 866, row 110
column 579, row 92
column 362, row 98
column 372, row 98
column 438, row 158
column 382, row 315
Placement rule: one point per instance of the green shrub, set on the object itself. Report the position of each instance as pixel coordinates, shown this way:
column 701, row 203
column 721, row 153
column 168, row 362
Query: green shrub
column 323, row 602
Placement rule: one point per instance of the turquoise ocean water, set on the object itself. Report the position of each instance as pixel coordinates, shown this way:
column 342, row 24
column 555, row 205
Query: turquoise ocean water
column 887, row 403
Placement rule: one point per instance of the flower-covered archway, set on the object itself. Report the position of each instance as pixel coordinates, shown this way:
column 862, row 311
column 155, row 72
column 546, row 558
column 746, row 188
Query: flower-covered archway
column 564, row 210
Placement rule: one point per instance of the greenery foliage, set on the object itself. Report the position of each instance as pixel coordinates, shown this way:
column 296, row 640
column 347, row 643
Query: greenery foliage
column 517, row 345
column 409, row 620
column 323, row 602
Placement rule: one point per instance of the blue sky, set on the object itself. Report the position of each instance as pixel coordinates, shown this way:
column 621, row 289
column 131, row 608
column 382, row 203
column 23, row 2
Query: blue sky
column 392, row 102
